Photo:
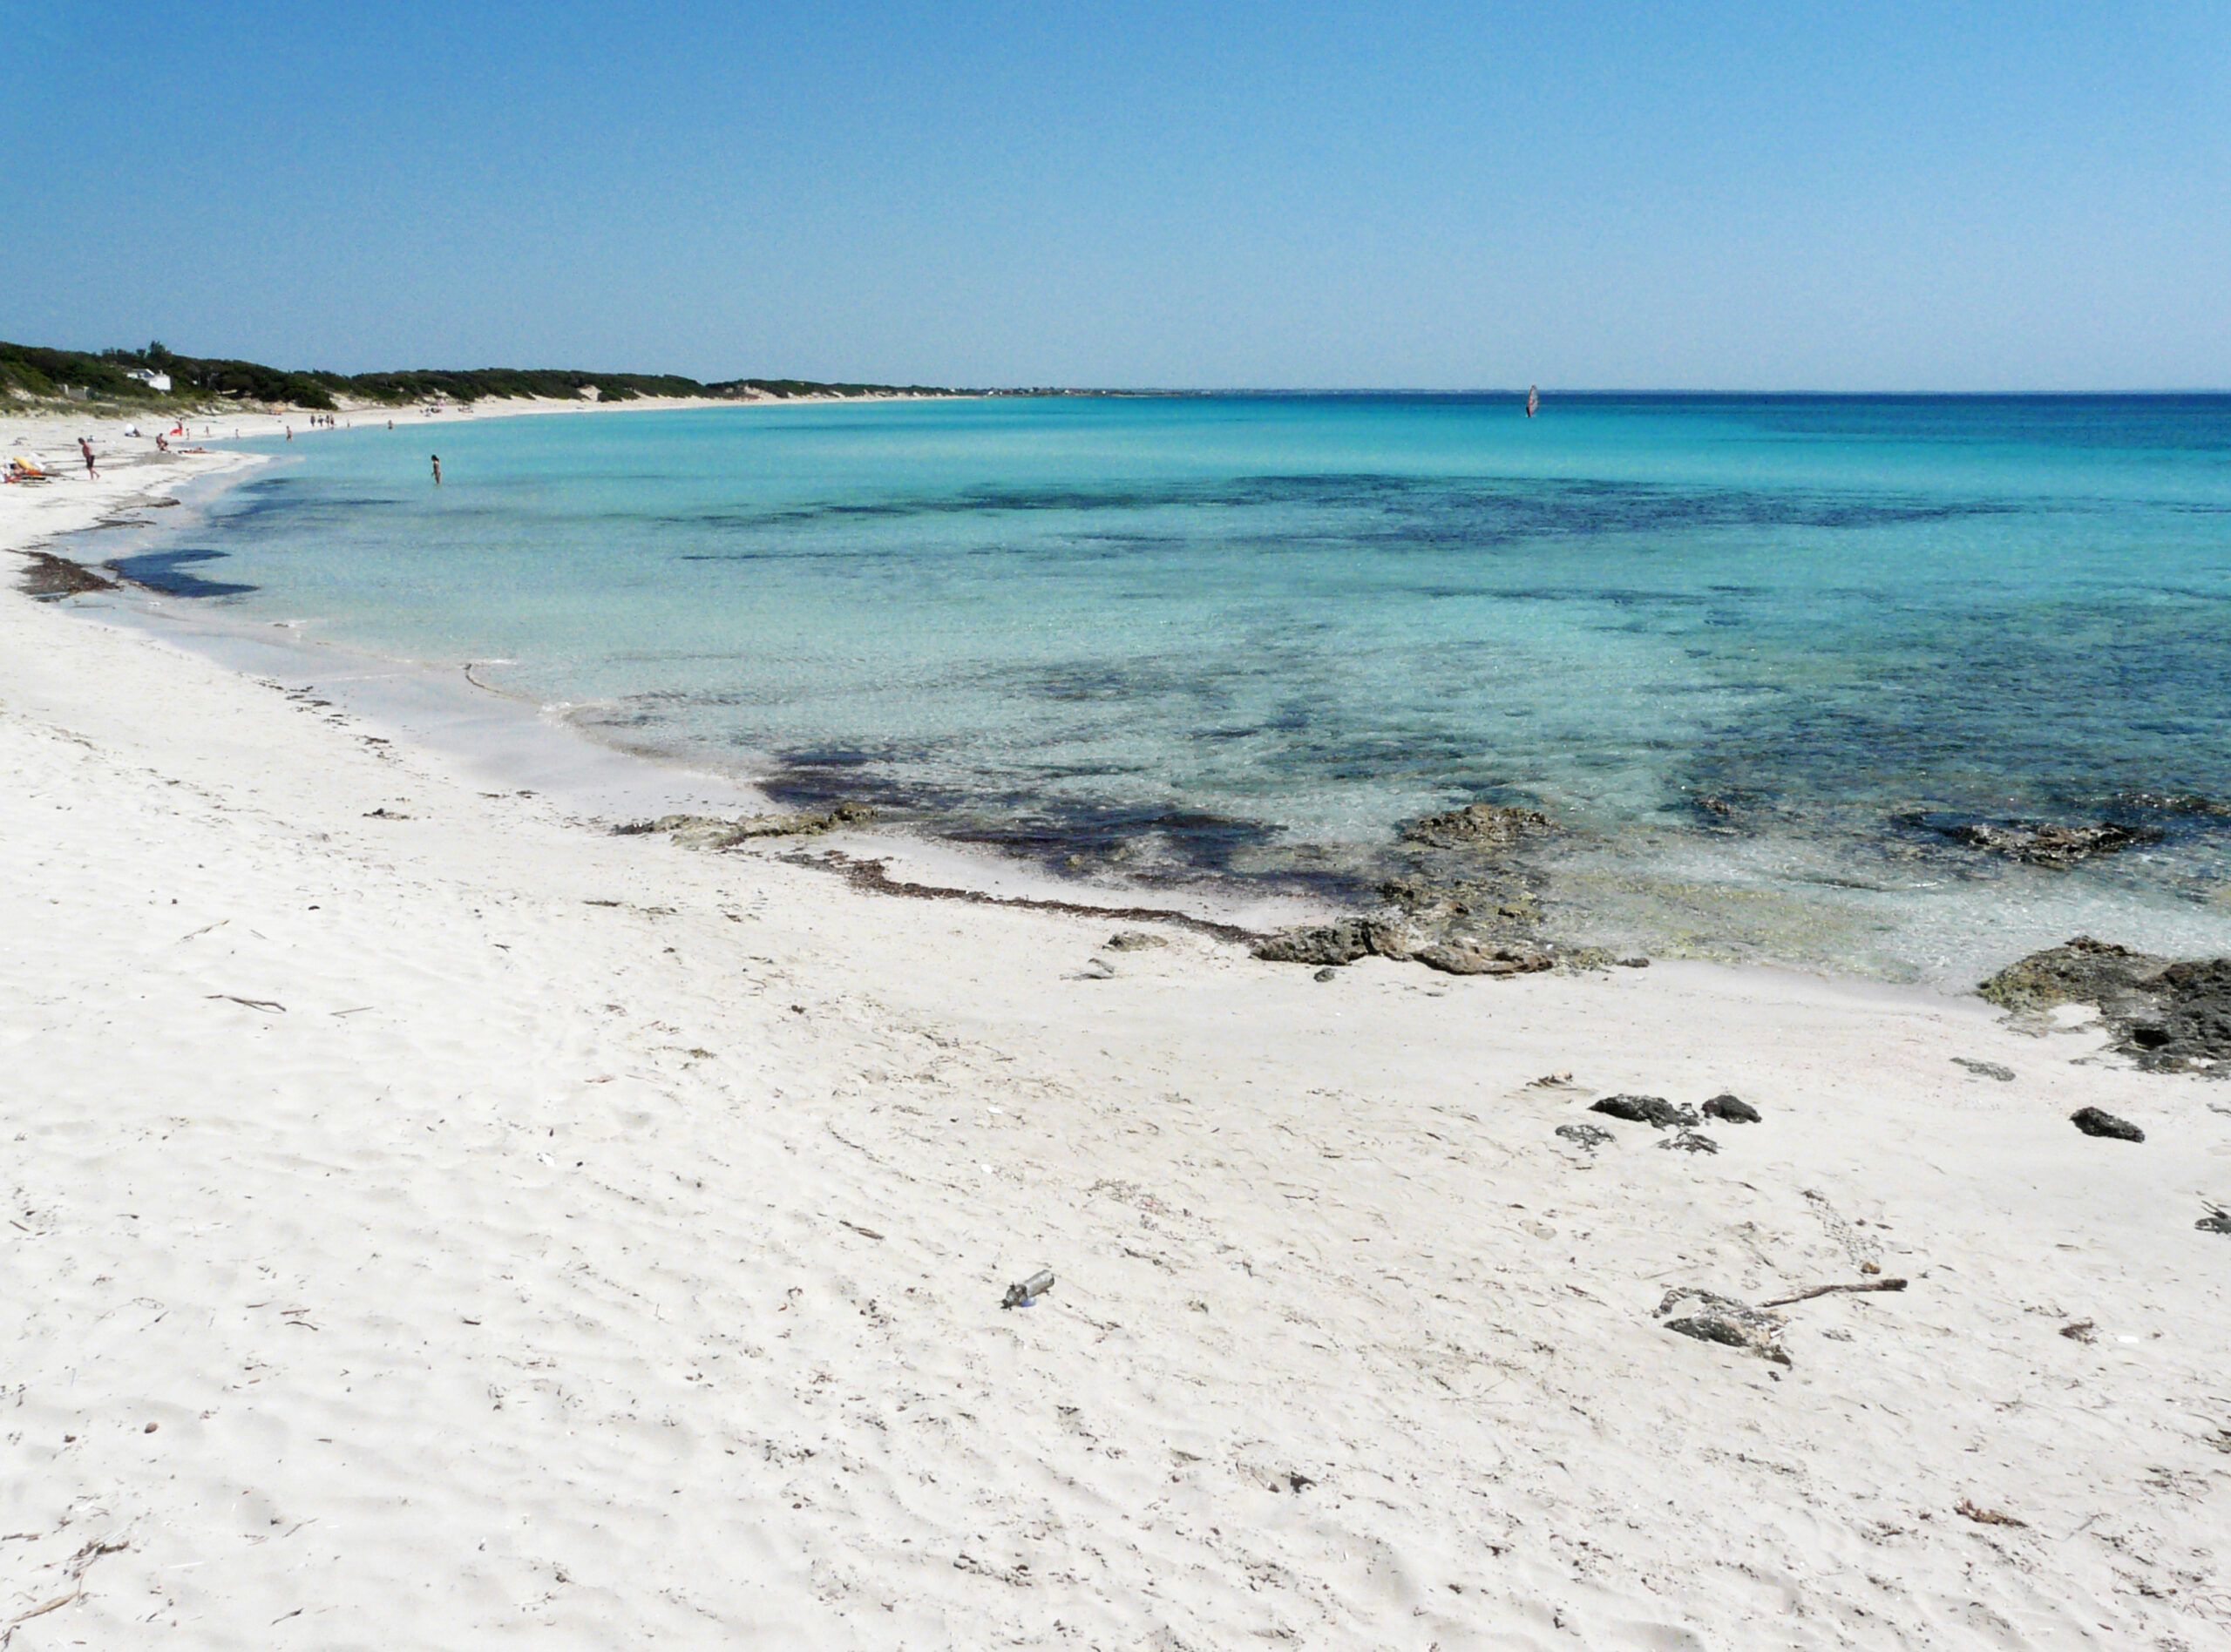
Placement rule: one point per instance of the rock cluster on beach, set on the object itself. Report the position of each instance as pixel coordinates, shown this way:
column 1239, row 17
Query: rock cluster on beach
column 712, row 831
column 1653, row 1110
column 2169, row 1016
column 1461, row 905
column 1349, row 938
column 1662, row 1115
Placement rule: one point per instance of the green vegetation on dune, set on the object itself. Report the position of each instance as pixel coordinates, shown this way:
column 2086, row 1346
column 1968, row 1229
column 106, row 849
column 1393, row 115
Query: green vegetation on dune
column 30, row 370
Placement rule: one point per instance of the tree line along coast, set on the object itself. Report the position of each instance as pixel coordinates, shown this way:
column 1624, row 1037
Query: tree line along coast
column 158, row 378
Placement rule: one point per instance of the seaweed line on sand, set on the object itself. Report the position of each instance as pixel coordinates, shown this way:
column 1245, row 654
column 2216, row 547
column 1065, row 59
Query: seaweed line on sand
column 874, row 877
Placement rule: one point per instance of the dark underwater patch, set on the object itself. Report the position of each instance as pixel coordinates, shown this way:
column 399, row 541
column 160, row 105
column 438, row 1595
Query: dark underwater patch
column 166, row 570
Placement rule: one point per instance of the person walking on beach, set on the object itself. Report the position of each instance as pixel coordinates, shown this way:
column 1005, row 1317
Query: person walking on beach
column 437, row 470
column 86, row 448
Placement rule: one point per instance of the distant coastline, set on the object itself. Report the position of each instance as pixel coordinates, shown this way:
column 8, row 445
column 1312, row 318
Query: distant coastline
column 158, row 379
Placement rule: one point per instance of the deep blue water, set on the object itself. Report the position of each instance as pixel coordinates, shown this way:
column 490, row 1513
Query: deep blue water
column 1758, row 655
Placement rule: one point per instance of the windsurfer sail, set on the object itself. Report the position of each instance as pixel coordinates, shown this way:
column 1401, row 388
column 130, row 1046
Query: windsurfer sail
column 1533, row 400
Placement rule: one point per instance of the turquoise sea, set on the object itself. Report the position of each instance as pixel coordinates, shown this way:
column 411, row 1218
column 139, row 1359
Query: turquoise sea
column 1761, row 657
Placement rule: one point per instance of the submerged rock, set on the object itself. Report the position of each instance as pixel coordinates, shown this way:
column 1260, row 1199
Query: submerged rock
column 1645, row 1109
column 2097, row 1121
column 1476, row 826
column 2041, row 844
column 1731, row 1109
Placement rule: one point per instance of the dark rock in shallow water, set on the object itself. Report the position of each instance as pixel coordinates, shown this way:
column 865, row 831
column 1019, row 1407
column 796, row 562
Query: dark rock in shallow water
column 1690, row 1141
column 1644, row 1109
column 2095, row 1122
column 1590, row 1136
column 1338, row 943
column 1731, row 1110
column 1476, row 826
column 1985, row 1069
column 2044, row 845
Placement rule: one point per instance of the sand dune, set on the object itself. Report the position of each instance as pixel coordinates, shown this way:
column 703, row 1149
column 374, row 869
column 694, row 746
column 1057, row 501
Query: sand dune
column 458, row 1226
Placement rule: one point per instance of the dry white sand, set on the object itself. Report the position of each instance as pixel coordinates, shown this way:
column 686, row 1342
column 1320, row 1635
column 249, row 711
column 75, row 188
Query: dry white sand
column 456, row 1226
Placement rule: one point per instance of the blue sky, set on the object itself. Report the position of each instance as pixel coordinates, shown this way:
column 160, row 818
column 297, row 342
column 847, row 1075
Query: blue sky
column 1834, row 196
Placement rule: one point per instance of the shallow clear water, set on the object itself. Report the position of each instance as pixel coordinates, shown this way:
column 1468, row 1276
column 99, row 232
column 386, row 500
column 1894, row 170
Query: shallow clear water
column 1752, row 653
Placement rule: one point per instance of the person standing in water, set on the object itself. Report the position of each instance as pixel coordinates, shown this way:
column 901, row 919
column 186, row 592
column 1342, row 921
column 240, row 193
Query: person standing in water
column 437, row 470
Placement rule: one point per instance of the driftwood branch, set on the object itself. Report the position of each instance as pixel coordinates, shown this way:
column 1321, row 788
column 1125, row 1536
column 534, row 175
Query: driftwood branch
column 56, row 1604
column 1822, row 1290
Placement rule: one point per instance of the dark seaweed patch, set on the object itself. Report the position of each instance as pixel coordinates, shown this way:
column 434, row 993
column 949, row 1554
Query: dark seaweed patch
column 1419, row 512
column 166, row 570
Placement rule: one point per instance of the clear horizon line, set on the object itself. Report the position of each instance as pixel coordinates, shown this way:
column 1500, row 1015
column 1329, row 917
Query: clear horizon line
column 1507, row 390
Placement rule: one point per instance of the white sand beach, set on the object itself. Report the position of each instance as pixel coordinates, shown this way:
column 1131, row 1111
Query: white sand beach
column 434, row 1220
